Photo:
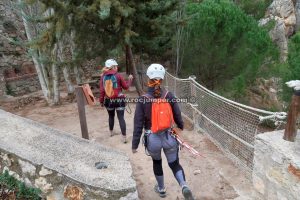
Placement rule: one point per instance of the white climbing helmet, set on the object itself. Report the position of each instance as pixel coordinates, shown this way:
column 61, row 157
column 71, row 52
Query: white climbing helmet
column 110, row 62
column 156, row 71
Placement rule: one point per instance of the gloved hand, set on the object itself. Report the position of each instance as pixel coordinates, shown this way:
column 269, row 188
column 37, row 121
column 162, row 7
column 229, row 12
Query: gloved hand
column 130, row 77
column 294, row 84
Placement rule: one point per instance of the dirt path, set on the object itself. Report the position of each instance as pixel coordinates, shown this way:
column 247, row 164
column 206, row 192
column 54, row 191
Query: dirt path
column 214, row 177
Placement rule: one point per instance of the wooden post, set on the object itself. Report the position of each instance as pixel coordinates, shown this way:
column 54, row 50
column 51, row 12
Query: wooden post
column 81, row 102
column 133, row 70
column 290, row 132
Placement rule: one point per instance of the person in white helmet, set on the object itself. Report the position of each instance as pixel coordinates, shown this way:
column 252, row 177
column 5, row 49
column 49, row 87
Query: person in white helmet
column 111, row 96
column 156, row 139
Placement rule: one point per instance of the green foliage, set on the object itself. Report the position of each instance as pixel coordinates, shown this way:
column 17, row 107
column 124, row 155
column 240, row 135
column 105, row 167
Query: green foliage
column 9, row 90
column 239, row 86
column 294, row 57
column 255, row 8
column 11, row 186
column 99, row 26
column 292, row 71
column 226, row 47
column 154, row 23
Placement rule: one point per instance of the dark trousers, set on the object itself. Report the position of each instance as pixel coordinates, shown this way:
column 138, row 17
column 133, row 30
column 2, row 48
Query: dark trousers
column 116, row 106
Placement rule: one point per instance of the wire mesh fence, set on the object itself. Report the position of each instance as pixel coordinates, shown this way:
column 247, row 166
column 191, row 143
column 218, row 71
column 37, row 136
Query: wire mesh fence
column 230, row 125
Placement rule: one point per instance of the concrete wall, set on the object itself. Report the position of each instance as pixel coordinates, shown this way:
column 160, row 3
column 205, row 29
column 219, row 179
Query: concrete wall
column 62, row 165
column 276, row 172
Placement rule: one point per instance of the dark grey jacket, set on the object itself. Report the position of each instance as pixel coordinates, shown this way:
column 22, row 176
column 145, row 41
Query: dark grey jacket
column 142, row 116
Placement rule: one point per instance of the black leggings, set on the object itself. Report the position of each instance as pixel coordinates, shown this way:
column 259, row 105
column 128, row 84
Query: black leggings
column 111, row 120
column 113, row 106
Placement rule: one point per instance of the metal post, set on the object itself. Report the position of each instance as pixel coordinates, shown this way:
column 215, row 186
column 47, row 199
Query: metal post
column 192, row 99
column 81, row 102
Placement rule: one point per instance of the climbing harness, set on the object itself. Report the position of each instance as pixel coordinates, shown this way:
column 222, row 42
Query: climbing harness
column 145, row 141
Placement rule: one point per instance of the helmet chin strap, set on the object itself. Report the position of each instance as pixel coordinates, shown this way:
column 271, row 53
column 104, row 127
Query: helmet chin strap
column 154, row 82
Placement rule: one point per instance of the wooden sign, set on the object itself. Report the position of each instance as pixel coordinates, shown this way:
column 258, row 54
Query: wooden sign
column 90, row 98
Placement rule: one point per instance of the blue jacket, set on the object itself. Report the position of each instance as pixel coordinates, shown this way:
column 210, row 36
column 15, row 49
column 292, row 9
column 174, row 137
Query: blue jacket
column 142, row 116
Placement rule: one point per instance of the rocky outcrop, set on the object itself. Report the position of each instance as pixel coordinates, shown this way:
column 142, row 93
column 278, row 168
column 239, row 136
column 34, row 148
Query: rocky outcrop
column 16, row 67
column 283, row 13
column 11, row 30
column 264, row 94
column 297, row 10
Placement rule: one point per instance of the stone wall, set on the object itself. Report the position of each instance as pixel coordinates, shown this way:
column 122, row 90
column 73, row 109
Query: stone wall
column 63, row 166
column 276, row 172
column 15, row 65
column 22, row 85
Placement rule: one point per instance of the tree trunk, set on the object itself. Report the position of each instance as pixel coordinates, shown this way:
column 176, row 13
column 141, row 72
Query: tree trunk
column 178, row 43
column 181, row 38
column 63, row 57
column 41, row 77
column 134, row 71
column 77, row 75
column 55, row 78
column 69, row 84
column 75, row 68
column 127, row 63
column 35, row 57
column 44, row 72
column 56, row 92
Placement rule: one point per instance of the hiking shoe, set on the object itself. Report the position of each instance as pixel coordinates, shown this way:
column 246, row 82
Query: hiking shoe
column 187, row 193
column 162, row 192
column 124, row 139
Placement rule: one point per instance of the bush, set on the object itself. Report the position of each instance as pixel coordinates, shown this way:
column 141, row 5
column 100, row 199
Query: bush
column 293, row 65
column 11, row 188
column 9, row 90
column 255, row 8
column 226, row 47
